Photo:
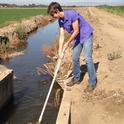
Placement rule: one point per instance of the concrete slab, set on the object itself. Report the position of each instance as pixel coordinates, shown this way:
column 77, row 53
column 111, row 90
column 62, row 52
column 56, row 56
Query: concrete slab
column 6, row 85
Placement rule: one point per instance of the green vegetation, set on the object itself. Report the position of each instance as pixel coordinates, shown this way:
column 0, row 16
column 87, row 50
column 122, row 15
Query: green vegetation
column 7, row 15
column 118, row 10
column 20, row 31
column 4, row 46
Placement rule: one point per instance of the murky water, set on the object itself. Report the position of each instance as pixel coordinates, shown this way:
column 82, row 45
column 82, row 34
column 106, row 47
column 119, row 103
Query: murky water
column 29, row 90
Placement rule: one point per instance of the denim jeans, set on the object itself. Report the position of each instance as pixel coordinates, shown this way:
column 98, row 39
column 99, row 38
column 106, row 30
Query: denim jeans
column 87, row 49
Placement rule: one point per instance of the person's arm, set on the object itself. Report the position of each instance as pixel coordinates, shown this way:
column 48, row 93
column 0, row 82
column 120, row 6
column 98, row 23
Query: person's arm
column 61, row 40
column 74, row 34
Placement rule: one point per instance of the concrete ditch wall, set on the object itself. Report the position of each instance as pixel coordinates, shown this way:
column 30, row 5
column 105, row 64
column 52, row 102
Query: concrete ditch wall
column 6, row 85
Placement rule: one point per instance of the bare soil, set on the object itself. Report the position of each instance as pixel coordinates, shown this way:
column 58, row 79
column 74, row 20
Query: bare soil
column 106, row 104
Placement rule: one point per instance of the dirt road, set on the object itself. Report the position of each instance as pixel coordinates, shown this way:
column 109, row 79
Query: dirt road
column 106, row 104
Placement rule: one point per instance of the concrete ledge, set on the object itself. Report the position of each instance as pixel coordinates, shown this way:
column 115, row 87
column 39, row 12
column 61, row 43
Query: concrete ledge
column 6, row 85
column 64, row 111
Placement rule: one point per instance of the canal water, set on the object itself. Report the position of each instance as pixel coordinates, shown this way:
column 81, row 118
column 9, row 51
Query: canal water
column 30, row 89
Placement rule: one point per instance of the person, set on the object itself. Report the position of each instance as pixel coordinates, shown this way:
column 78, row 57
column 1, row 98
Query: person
column 81, row 38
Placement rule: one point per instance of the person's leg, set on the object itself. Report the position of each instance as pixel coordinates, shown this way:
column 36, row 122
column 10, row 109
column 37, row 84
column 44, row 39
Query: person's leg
column 76, row 51
column 87, row 49
column 76, row 61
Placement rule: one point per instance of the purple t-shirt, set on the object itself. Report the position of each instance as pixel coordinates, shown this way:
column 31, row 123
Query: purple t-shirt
column 85, row 29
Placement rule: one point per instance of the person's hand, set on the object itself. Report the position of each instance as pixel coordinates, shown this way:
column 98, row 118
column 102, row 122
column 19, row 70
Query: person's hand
column 60, row 55
column 66, row 45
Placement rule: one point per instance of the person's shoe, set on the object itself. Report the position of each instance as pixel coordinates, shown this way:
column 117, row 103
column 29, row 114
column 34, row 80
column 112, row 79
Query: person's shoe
column 72, row 82
column 90, row 88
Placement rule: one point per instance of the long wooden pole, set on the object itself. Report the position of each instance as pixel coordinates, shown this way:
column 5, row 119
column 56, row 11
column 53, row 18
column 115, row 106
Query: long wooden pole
column 50, row 89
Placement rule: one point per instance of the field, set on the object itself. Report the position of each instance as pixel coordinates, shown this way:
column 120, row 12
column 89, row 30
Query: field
column 7, row 15
column 118, row 10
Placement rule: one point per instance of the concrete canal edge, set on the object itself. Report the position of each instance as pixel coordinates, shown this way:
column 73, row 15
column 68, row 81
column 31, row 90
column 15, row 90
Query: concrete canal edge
column 64, row 113
column 6, row 85
column 65, row 107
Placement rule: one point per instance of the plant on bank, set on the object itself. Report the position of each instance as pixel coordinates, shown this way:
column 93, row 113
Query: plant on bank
column 21, row 32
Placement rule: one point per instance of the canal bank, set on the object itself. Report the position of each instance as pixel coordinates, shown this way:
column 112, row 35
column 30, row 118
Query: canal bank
column 14, row 36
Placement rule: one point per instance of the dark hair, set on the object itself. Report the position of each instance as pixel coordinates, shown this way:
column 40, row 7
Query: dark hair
column 53, row 8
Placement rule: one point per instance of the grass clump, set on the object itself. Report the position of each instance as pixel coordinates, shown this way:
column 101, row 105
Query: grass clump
column 4, row 47
column 21, row 32
column 114, row 55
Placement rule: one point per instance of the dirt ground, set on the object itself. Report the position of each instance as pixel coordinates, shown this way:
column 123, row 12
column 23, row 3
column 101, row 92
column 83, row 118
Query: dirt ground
column 106, row 104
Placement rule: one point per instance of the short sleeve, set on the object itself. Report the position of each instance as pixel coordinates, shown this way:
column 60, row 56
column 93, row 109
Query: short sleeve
column 60, row 23
column 74, row 16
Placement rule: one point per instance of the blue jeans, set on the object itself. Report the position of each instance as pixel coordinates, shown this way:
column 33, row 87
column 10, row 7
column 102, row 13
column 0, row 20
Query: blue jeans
column 87, row 49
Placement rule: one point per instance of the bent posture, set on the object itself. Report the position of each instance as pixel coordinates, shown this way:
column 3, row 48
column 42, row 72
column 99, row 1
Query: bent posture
column 81, row 37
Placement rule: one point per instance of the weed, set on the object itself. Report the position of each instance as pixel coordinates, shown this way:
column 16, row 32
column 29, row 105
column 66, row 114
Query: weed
column 20, row 30
column 114, row 55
